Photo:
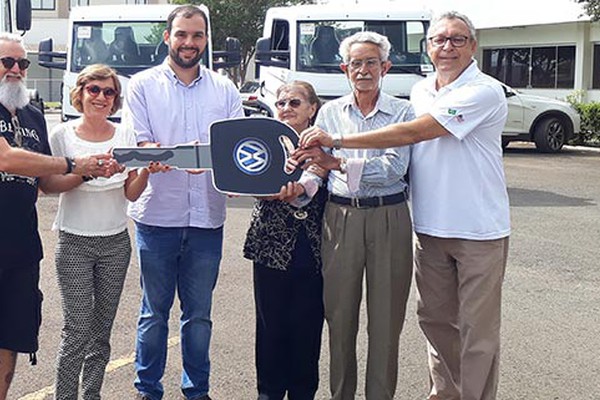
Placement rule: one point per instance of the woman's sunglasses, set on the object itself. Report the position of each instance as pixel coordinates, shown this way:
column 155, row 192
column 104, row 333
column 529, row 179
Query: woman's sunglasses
column 94, row 91
column 294, row 103
column 9, row 62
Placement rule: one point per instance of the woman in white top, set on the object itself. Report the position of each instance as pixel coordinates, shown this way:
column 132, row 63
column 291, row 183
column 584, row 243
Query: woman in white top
column 93, row 251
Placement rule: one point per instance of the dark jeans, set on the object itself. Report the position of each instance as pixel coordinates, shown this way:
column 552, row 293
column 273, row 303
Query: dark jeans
column 289, row 323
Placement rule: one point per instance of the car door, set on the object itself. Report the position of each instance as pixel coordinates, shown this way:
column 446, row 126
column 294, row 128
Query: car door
column 515, row 120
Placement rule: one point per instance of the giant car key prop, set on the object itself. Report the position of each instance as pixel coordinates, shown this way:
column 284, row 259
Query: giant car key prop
column 247, row 155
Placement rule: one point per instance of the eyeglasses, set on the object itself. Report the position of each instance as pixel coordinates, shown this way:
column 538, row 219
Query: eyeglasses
column 94, row 91
column 457, row 41
column 9, row 62
column 369, row 62
column 294, row 103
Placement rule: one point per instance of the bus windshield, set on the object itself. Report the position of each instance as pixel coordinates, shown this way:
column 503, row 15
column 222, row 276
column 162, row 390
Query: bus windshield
column 128, row 47
column 318, row 50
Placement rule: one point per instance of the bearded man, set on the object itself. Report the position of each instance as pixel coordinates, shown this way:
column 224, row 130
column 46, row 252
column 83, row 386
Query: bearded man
column 25, row 165
column 179, row 218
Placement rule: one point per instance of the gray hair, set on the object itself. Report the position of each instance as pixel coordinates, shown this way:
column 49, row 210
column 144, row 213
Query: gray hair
column 366, row 37
column 11, row 37
column 453, row 15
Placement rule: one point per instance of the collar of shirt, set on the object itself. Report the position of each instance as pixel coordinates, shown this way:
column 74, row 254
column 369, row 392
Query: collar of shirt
column 466, row 76
column 383, row 105
column 170, row 74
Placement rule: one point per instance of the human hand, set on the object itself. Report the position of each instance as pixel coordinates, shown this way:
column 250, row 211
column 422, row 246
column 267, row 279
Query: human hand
column 156, row 166
column 314, row 156
column 98, row 165
column 195, row 171
column 288, row 192
column 315, row 136
column 318, row 170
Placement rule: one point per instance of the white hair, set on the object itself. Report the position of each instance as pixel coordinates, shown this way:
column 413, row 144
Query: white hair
column 453, row 15
column 366, row 37
column 11, row 37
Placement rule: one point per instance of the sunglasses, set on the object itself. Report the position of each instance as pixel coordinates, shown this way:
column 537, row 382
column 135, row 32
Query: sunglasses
column 95, row 90
column 9, row 62
column 294, row 103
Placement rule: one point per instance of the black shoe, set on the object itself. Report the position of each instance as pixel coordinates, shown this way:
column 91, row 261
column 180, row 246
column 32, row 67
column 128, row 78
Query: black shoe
column 142, row 396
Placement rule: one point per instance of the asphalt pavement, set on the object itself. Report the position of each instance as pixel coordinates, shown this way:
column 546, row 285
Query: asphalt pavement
column 551, row 308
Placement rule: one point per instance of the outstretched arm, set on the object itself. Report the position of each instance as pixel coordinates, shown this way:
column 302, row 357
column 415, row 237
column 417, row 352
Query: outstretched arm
column 420, row 129
column 27, row 163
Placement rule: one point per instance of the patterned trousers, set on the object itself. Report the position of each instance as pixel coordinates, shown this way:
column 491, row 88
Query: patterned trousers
column 91, row 271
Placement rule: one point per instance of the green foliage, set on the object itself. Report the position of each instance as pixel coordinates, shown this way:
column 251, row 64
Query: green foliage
column 156, row 33
column 242, row 19
column 591, row 8
column 590, row 119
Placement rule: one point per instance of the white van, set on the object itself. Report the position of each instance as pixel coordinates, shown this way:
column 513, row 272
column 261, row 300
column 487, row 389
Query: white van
column 302, row 42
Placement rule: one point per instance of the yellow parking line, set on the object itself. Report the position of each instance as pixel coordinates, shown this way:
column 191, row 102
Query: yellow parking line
column 112, row 366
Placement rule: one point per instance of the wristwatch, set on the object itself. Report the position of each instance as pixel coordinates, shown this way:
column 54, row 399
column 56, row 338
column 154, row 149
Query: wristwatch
column 71, row 165
column 337, row 141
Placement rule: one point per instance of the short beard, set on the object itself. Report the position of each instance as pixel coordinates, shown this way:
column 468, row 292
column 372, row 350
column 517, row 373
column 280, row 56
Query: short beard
column 174, row 55
column 13, row 95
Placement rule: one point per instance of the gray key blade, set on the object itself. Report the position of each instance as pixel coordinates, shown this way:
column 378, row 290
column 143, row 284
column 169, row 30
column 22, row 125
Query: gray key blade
column 181, row 157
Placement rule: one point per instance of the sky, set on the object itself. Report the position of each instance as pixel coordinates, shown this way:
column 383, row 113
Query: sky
column 491, row 13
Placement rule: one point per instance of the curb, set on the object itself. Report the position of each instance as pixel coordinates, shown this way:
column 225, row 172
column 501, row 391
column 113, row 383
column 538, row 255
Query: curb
column 582, row 148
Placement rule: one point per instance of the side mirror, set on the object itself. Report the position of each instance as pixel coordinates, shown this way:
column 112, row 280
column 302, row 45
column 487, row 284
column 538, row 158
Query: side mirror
column 508, row 92
column 266, row 57
column 230, row 57
column 23, row 15
column 46, row 55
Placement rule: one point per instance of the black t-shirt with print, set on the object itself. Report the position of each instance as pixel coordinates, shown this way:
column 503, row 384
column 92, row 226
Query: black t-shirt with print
column 20, row 242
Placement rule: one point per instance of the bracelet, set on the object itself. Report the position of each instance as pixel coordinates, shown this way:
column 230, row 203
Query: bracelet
column 70, row 165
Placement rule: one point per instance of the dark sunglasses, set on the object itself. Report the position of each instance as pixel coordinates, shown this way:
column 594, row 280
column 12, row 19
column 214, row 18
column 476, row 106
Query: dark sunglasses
column 294, row 103
column 94, row 90
column 9, row 62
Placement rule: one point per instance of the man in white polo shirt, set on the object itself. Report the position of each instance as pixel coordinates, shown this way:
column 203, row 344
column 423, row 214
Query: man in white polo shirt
column 460, row 206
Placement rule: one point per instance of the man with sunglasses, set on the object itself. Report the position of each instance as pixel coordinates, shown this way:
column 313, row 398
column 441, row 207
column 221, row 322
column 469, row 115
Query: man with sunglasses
column 460, row 208
column 179, row 218
column 25, row 165
column 367, row 228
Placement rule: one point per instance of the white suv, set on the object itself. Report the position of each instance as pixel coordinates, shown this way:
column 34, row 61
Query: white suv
column 547, row 122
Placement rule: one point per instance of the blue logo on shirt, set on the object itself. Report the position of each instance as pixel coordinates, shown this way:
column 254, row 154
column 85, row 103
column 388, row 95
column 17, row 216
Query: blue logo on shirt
column 252, row 156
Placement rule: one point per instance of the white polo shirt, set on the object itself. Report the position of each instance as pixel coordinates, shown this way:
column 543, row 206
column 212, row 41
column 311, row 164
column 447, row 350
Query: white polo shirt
column 457, row 181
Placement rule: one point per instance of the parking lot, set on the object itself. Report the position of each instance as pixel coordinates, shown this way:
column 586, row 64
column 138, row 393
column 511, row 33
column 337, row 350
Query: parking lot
column 551, row 299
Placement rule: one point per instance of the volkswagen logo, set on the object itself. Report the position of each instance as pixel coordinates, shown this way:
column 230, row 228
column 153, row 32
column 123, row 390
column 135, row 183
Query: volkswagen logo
column 252, row 156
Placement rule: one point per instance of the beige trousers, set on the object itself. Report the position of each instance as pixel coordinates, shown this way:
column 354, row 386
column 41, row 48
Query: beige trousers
column 376, row 242
column 459, row 285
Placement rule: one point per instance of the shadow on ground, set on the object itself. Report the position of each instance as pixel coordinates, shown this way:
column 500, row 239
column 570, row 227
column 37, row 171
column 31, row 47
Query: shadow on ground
column 540, row 198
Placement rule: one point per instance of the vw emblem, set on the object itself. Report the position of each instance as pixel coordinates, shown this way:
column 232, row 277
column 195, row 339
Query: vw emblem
column 252, row 156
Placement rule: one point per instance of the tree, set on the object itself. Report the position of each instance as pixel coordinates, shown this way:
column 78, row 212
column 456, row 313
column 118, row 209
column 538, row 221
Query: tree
column 242, row 19
column 591, row 8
